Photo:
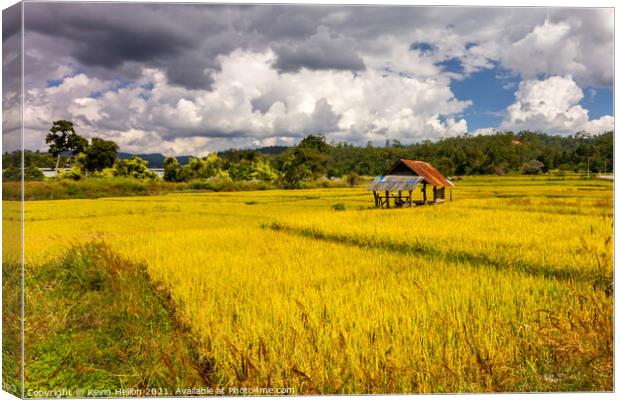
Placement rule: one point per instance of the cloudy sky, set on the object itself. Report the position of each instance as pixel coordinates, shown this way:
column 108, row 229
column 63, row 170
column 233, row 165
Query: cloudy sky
column 190, row 79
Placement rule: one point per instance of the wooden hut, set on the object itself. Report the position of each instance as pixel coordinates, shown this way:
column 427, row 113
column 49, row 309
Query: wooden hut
column 398, row 184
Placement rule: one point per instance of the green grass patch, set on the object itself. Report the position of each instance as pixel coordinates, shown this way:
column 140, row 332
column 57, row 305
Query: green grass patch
column 11, row 328
column 96, row 321
column 98, row 187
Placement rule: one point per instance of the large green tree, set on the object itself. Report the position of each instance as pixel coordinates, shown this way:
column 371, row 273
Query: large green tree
column 308, row 160
column 316, row 143
column 99, row 155
column 62, row 138
column 172, row 170
column 201, row 168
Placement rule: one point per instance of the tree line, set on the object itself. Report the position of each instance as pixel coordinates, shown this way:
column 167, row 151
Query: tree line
column 499, row 153
column 313, row 158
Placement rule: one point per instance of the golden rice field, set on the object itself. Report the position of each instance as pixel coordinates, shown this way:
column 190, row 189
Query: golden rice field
column 509, row 287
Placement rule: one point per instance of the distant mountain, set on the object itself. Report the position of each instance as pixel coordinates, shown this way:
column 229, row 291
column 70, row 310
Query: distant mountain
column 156, row 160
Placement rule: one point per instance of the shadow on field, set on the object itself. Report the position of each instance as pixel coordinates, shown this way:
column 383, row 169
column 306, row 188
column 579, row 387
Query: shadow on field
column 597, row 278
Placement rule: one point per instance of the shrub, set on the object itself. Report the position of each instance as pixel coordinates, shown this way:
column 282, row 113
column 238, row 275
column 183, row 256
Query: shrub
column 30, row 174
column 241, row 171
column 33, row 174
column 74, row 174
column 263, row 171
column 135, row 167
column 104, row 173
column 532, row 167
column 200, row 168
column 339, row 207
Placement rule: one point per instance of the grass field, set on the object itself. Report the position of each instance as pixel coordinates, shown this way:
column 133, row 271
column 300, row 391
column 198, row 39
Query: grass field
column 509, row 287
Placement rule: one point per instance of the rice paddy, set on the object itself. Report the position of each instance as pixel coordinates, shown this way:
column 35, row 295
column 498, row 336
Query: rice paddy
column 509, row 287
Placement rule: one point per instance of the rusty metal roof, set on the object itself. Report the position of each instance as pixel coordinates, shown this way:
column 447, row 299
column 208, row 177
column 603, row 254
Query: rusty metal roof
column 425, row 170
column 395, row 182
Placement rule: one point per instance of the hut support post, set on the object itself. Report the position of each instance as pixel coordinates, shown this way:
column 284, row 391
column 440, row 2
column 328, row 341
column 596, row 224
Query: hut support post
column 387, row 199
column 434, row 194
column 400, row 198
column 374, row 193
column 424, row 191
column 410, row 198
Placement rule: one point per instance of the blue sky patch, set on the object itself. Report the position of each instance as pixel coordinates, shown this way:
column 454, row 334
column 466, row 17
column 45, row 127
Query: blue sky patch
column 451, row 65
column 469, row 45
column 598, row 101
column 491, row 91
column 423, row 47
column 54, row 82
column 148, row 86
column 120, row 83
column 95, row 95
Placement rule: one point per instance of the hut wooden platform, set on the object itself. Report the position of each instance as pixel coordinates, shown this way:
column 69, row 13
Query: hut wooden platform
column 397, row 186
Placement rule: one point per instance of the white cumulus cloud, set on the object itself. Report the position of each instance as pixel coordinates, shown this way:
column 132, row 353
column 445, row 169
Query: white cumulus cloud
column 243, row 76
column 250, row 102
column 551, row 105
